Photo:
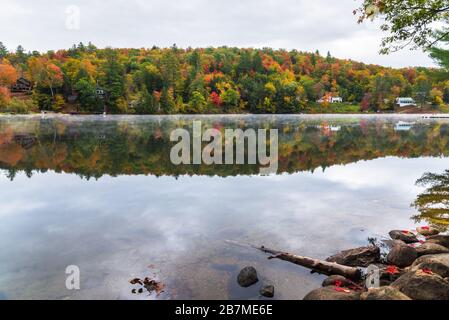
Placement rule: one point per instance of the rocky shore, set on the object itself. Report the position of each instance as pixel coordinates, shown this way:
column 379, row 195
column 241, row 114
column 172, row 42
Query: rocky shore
column 409, row 265
column 413, row 266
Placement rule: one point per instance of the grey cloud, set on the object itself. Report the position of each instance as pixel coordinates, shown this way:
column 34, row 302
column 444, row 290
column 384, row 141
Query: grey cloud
column 299, row 24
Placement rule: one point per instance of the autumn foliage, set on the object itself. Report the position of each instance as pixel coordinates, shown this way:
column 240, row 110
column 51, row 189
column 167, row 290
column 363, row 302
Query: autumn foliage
column 174, row 80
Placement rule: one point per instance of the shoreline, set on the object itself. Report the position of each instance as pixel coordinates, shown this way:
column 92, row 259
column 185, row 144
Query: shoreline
column 234, row 115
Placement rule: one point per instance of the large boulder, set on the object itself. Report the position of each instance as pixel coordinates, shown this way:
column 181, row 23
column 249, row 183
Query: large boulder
column 420, row 285
column 403, row 235
column 332, row 293
column 431, row 248
column 402, row 256
column 383, row 293
column 442, row 240
column 437, row 263
column 247, row 277
column 359, row 257
column 336, row 280
column 427, row 231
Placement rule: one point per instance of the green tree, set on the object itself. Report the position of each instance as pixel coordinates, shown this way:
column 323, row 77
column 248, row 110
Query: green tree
column 410, row 23
column 168, row 104
column 230, row 98
column 113, row 78
column 3, row 50
column 197, row 103
column 440, row 54
column 87, row 96
column 146, row 104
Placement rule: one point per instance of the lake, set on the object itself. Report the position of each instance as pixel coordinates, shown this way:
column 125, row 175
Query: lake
column 101, row 193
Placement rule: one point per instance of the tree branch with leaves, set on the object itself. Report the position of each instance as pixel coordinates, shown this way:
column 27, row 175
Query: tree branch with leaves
column 410, row 23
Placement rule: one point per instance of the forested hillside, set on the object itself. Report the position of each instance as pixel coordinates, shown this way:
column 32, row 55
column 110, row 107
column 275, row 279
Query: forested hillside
column 211, row 80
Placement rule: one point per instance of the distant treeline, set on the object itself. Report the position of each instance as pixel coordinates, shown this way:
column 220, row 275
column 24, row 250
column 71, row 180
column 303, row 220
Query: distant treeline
column 211, row 80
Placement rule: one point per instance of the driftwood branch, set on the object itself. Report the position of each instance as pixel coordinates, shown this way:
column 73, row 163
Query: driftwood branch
column 319, row 266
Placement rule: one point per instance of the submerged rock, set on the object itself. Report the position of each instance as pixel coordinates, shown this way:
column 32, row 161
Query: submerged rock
column 402, row 256
column 403, row 235
column 383, row 293
column 430, row 248
column 247, row 277
column 359, row 257
column 267, row 291
column 332, row 293
column 421, row 285
column 440, row 239
column 437, row 263
column 427, row 231
column 336, row 280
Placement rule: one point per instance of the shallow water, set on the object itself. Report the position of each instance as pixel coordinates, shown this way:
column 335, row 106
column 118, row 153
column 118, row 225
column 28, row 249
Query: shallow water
column 100, row 193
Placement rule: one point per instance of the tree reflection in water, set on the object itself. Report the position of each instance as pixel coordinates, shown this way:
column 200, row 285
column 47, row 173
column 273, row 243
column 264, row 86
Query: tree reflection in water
column 433, row 203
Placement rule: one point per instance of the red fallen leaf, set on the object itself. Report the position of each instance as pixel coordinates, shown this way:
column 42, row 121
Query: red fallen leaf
column 354, row 287
column 406, row 232
column 339, row 289
column 153, row 285
column 136, row 281
column 422, row 241
column 392, row 270
column 338, row 283
column 425, row 228
column 427, row 271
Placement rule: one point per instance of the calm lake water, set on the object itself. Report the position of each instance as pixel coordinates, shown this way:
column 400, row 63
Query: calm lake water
column 101, row 193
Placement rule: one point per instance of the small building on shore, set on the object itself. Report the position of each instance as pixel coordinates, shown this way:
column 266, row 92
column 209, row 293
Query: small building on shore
column 405, row 102
column 331, row 100
column 22, row 85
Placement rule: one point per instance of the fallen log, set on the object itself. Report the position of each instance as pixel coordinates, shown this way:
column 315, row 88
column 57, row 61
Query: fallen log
column 319, row 266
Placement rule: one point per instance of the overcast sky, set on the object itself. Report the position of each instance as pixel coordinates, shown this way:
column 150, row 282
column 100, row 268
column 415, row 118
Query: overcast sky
column 307, row 25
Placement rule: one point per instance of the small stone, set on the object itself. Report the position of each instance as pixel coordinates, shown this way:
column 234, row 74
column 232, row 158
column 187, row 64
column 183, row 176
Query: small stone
column 403, row 235
column 428, row 248
column 359, row 257
column 442, row 240
column 247, row 277
column 427, row 231
column 420, row 285
column 402, row 256
column 333, row 280
column 267, row 291
column 332, row 293
column 383, row 293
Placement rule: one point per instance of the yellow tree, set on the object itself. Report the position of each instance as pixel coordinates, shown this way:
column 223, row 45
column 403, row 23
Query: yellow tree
column 45, row 73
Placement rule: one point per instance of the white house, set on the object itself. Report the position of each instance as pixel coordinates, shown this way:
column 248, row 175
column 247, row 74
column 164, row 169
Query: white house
column 405, row 101
column 331, row 100
column 336, row 100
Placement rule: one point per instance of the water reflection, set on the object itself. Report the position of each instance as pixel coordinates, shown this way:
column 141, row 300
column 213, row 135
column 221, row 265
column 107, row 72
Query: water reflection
column 95, row 146
column 433, row 203
column 144, row 217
